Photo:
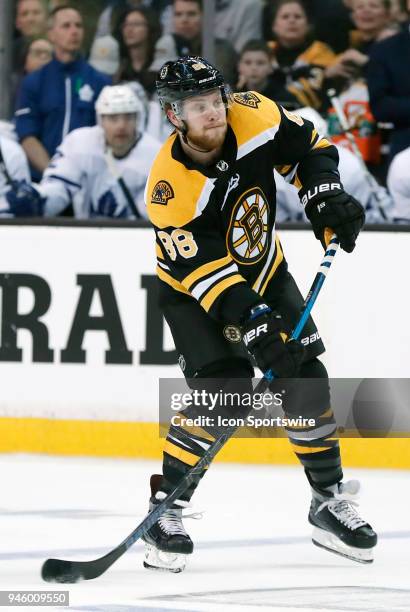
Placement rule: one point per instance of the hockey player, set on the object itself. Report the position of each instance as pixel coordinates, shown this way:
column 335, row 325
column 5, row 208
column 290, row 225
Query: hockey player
column 223, row 278
column 102, row 170
column 15, row 181
column 398, row 181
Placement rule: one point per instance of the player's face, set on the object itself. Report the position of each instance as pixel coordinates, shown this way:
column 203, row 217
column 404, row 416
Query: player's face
column 30, row 18
column 120, row 131
column 290, row 25
column 67, row 31
column 205, row 117
column 254, row 67
column 134, row 29
column 370, row 15
column 187, row 19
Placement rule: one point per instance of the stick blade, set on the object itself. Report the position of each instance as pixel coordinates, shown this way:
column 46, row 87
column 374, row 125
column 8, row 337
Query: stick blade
column 58, row 570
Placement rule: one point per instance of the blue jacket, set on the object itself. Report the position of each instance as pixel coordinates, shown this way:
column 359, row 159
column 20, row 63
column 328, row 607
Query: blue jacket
column 388, row 79
column 57, row 99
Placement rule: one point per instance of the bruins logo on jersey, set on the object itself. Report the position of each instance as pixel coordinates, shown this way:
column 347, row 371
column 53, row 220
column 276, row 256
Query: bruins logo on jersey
column 247, row 98
column 161, row 193
column 247, row 238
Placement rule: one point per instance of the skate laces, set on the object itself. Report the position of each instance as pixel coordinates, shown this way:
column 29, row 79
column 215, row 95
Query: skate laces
column 341, row 505
column 171, row 520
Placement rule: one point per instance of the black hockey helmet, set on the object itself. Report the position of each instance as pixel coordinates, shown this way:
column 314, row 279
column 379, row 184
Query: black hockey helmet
column 186, row 77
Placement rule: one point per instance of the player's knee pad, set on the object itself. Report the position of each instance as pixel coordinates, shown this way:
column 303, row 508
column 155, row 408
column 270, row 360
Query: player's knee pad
column 222, row 386
column 309, row 395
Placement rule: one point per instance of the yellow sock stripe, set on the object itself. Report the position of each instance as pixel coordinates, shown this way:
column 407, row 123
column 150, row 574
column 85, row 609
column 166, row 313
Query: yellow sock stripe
column 198, row 432
column 180, row 453
column 219, row 288
column 301, row 450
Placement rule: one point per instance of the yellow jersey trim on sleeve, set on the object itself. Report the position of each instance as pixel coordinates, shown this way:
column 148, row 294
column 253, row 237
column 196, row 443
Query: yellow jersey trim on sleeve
column 169, row 280
column 254, row 120
column 174, row 194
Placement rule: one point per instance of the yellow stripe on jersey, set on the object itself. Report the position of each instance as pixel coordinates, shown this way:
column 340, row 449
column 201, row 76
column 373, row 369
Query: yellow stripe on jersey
column 169, row 202
column 250, row 120
column 169, row 280
column 180, row 453
column 314, row 135
column 283, row 170
column 322, row 144
column 158, row 251
column 296, row 182
column 277, row 261
column 210, row 297
column 204, row 270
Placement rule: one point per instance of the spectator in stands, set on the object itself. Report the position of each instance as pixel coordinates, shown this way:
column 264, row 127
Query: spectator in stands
column 31, row 21
column 101, row 171
column 299, row 61
column 105, row 55
column 398, row 12
column 238, row 21
column 60, row 96
column 108, row 20
column 138, row 32
column 186, row 39
column 14, row 178
column 39, row 53
column 388, row 79
column 255, row 74
column 398, row 182
column 332, row 20
column 373, row 22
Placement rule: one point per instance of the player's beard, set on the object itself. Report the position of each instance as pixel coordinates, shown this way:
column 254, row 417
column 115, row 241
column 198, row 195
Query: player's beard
column 208, row 139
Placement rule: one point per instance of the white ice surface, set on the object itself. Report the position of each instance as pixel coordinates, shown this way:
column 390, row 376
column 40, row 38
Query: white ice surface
column 253, row 549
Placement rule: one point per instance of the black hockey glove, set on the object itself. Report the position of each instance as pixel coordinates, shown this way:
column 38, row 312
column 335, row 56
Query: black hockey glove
column 328, row 205
column 265, row 338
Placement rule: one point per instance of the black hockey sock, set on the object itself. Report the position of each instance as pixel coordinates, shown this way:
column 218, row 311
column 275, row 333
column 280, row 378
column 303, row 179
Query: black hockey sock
column 186, row 444
column 316, row 447
column 183, row 449
column 318, row 451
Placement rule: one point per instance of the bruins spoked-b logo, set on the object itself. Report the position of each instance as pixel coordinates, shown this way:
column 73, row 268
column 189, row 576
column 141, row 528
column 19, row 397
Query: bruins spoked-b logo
column 247, row 237
column 161, row 193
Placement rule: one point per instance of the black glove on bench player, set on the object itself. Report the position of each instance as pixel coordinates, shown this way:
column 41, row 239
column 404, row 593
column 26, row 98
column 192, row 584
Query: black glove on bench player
column 328, row 205
column 265, row 338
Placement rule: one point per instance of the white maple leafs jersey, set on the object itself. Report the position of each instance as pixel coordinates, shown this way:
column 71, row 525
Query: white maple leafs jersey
column 354, row 182
column 398, row 181
column 15, row 162
column 85, row 174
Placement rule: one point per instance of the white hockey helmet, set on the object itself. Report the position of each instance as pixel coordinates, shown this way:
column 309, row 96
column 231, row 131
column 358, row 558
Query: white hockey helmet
column 118, row 99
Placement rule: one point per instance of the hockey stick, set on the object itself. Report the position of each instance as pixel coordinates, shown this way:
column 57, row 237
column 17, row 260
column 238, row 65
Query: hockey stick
column 373, row 184
column 59, row 570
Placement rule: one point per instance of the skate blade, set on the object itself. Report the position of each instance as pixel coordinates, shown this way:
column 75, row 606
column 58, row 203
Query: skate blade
column 331, row 543
column 163, row 561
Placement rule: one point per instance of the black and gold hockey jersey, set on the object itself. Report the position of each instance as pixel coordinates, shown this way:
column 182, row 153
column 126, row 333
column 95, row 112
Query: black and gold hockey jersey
column 215, row 225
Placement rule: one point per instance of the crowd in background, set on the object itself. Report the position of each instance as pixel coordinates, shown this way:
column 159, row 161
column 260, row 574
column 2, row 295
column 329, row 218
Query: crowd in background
column 300, row 53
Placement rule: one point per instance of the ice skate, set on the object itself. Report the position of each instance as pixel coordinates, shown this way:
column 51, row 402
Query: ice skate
column 167, row 543
column 338, row 527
